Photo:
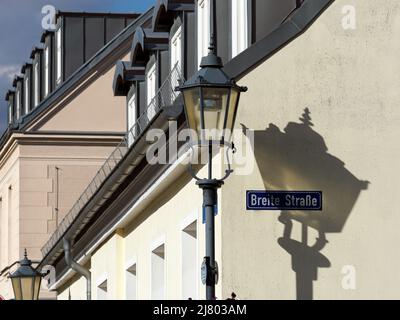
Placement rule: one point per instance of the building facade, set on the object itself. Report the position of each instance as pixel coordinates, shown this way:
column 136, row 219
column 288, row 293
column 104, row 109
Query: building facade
column 63, row 123
column 320, row 115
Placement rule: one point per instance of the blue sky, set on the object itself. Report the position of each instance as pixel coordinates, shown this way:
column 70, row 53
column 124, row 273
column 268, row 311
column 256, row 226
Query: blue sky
column 20, row 30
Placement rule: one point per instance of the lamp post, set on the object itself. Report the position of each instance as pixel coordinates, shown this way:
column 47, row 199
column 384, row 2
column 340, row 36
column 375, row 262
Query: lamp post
column 26, row 280
column 211, row 101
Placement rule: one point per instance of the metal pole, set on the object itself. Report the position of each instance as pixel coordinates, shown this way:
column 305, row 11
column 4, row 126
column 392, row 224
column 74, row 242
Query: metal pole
column 210, row 200
column 213, row 27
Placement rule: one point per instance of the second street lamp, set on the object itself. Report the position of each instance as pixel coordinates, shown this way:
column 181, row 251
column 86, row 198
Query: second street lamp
column 26, row 280
column 211, row 100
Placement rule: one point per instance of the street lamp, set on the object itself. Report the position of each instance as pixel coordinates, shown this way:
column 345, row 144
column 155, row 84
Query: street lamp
column 26, row 280
column 211, row 101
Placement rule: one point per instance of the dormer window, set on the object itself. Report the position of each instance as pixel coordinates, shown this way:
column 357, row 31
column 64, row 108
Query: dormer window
column 203, row 28
column 10, row 113
column 26, row 95
column 36, row 78
column 132, row 116
column 151, row 91
column 18, row 103
column 176, row 54
column 46, row 70
column 240, row 40
column 58, row 56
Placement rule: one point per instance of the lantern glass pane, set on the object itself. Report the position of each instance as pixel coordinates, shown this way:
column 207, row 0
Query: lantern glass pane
column 27, row 288
column 38, row 280
column 16, row 283
column 231, row 114
column 192, row 106
column 215, row 103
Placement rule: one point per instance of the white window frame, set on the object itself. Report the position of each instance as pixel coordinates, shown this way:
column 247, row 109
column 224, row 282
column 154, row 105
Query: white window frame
column 46, row 70
column 128, row 269
column 185, row 224
column 203, row 28
column 157, row 259
column 132, row 118
column 176, row 54
column 10, row 115
column 58, row 56
column 151, row 83
column 240, row 26
column 26, row 94
column 18, row 102
column 100, row 286
column 36, row 79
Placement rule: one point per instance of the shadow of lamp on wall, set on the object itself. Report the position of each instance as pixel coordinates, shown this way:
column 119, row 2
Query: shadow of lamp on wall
column 298, row 159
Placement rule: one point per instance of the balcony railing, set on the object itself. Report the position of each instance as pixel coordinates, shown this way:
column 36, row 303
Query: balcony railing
column 164, row 97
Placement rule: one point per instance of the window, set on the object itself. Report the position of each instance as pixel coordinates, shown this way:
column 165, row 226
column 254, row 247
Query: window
column 59, row 57
column 10, row 115
column 157, row 273
column 240, row 36
column 132, row 116
column 102, row 291
column 203, row 28
column 18, row 103
column 176, row 54
column 36, row 78
column 26, row 93
column 189, row 262
column 131, row 283
column 151, row 92
column 46, row 71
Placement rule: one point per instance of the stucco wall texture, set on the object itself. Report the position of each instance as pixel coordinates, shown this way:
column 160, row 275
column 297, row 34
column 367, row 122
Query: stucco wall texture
column 349, row 80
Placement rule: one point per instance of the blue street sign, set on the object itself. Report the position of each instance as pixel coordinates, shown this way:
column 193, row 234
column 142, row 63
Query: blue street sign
column 284, row 200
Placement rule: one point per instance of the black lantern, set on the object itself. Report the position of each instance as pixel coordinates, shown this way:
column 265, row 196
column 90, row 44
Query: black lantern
column 26, row 280
column 211, row 101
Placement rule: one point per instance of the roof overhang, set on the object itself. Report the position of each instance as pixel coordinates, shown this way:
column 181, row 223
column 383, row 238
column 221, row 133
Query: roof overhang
column 34, row 51
column 26, row 66
column 16, row 80
column 145, row 41
column 125, row 75
column 164, row 12
column 45, row 34
column 9, row 94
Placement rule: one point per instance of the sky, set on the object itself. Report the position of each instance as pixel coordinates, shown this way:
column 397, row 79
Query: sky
column 21, row 28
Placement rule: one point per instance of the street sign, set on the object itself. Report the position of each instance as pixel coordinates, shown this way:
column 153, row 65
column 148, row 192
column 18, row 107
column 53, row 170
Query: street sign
column 284, row 200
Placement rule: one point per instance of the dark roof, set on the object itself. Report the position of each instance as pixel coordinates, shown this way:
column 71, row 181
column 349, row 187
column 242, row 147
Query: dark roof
column 163, row 16
column 68, row 85
column 8, row 94
column 45, row 34
column 132, row 15
column 16, row 79
column 34, row 51
column 25, row 66
column 124, row 76
column 146, row 40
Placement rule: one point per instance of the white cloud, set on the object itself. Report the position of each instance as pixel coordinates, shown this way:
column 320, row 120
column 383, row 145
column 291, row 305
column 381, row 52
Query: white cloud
column 8, row 71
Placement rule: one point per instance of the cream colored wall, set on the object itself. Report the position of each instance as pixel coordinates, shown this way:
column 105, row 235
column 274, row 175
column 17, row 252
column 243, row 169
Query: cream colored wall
column 96, row 109
column 31, row 173
column 77, row 166
column 9, row 220
column 77, row 291
column 349, row 80
column 169, row 213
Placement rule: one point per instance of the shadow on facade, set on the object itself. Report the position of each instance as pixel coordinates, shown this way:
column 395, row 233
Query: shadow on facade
column 297, row 159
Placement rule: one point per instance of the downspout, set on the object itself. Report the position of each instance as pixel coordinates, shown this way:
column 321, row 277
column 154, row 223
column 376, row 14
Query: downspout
column 78, row 268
